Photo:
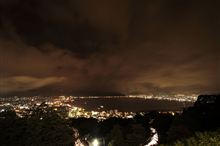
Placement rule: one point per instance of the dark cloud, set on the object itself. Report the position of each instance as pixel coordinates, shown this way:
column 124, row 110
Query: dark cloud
column 26, row 83
column 67, row 25
column 113, row 46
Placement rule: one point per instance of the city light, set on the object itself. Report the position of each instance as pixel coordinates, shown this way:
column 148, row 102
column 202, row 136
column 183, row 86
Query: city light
column 65, row 105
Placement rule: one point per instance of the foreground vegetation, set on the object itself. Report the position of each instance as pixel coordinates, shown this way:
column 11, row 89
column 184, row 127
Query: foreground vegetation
column 39, row 129
column 199, row 139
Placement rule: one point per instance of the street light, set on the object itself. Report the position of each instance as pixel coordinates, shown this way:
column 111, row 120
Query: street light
column 95, row 142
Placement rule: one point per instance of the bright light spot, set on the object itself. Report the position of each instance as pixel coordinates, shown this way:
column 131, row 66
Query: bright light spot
column 2, row 110
column 95, row 142
column 154, row 138
column 130, row 116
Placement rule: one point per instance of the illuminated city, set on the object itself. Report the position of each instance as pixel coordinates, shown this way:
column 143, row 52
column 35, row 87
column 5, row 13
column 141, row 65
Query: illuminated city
column 109, row 73
column 65, row 105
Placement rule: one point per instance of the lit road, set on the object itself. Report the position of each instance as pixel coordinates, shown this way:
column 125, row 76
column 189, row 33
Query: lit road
column 154, row 138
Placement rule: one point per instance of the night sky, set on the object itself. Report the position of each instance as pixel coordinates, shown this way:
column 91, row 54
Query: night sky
column 109, row 47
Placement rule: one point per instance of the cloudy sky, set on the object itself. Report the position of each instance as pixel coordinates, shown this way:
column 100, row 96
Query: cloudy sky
column 105, row 47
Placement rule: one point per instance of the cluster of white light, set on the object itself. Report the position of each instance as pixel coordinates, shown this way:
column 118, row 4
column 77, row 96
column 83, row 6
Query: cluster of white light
column 77, row 112
column 177, row 97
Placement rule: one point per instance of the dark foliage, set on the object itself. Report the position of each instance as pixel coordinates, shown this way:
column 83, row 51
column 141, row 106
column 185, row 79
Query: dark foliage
column 203, row 116
column 41, row 128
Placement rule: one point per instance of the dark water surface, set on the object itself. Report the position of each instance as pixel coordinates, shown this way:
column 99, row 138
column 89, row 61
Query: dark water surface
column 133, row 105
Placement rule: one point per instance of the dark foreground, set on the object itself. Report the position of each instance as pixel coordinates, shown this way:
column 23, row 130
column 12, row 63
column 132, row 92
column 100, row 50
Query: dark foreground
column 197, row 125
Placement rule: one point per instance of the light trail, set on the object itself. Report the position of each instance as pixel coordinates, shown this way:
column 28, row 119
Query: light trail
column 154, row 139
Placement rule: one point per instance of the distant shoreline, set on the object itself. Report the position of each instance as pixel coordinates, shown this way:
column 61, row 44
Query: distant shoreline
column 131, row 105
